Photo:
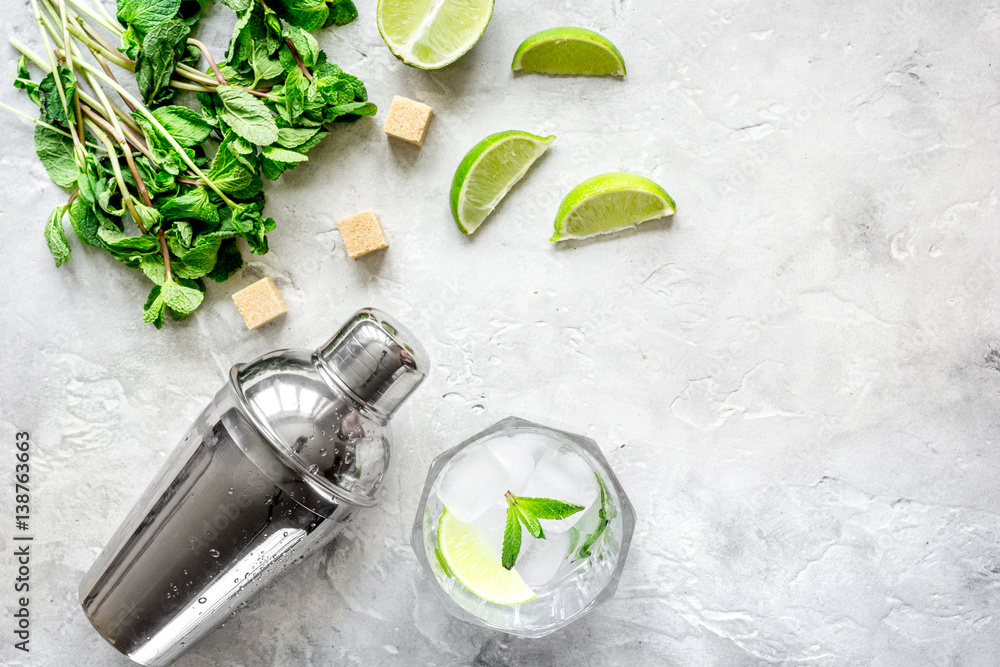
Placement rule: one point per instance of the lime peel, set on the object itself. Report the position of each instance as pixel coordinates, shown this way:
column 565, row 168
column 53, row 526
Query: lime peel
column 477, row 566
column 569, row 50
column 610, row 202
column 489, row 171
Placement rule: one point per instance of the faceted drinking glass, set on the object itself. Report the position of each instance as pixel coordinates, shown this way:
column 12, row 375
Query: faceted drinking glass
column 585, row 578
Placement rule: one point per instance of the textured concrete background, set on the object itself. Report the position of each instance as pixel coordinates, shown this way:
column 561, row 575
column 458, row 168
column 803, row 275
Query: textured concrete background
column 796, row 379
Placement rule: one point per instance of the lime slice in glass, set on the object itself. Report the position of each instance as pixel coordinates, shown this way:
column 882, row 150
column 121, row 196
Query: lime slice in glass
column 476, row 565
column 569, row 51
column 430, row 34
column 489, row 171
column 610, row 202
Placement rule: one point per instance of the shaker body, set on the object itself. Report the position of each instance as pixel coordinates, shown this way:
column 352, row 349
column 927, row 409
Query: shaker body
column 286, row 453
column 210, row 531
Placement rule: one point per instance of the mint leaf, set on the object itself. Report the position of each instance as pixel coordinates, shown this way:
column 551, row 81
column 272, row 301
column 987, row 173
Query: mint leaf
column 181, row 300
column 531, row 523
column 605, row 515
column 164, row 155
column 186, row 125
column 148, row 216
column 305, row 14
column 162, row 48
column 152, row 311
column 23, row 80
column 228, row 262
column 152, row 267
column 198, row 261
column 85, row 222
column 342, row 12
column 546, row 508
column 574, row 539
column 193, row 204
column 131, row 43
column 247, row 116
column 264, row 67
column 276, row 160
column 55, row 236
column 229, row 175
column 147, row 14
column 293, row 137
column 56, row 153
column 238, row 6
column 296, row 92
column 50, row 103
column 511, row 539
column 304, row 43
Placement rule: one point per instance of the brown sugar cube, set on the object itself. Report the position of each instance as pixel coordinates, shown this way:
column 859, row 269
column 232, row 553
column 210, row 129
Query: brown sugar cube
column 362, row 233
column 260, row 303
column 407, row 120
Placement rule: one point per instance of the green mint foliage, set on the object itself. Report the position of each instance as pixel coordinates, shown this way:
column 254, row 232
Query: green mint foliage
column 23, row 81
column 186, row 125
column 55, row 236
column 163, row 47
column 316, row 14
column 144, row 15
column 574, row 539
column 342, row 12
column 268, row 107
column 56, row 153
column 246, row 115
column 530, row 522
column 546, row 508
column 511, row 539
column 527, row 512
column 605, row 515
column 50, row 103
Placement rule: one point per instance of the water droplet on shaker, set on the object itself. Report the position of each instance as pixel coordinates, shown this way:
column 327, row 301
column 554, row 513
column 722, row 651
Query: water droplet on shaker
column 213, row 553
column 322, row 452
column 202, row 600
column 230, row 490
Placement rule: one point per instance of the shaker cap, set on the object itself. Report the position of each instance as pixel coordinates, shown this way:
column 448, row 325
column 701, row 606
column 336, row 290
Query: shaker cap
column 376, row 360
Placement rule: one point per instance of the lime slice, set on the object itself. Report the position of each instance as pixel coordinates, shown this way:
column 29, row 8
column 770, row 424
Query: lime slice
column 569, row 51
column 476, row 565
column 489, row 171
column 609, row 202
column 430, row 34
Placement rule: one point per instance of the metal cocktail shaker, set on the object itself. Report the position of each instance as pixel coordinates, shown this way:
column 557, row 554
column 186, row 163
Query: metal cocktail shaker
column 287, row 452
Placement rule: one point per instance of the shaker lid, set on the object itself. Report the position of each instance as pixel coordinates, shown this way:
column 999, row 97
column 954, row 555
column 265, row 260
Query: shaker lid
column 376, row 360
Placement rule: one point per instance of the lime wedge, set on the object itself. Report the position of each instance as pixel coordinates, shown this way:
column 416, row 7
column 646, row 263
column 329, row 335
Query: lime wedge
column 476, row 565
column 489, row 171
column 610, row 202
column 569, row 51
column 430, row 34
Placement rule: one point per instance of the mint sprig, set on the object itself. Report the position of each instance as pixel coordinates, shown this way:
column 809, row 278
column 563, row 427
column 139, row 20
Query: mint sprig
column 527, row 512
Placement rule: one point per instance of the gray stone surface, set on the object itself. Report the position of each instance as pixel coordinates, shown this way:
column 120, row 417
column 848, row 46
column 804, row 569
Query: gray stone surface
column 796, row 379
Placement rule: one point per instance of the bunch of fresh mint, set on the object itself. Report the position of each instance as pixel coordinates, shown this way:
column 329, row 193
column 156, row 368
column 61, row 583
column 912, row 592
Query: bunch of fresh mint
column 165, row 188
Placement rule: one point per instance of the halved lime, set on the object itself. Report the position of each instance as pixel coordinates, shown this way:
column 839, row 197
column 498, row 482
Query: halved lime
column 569, row 51
column 430, row 34
column 478, row 567
column 489, row 171
column 610, row 202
